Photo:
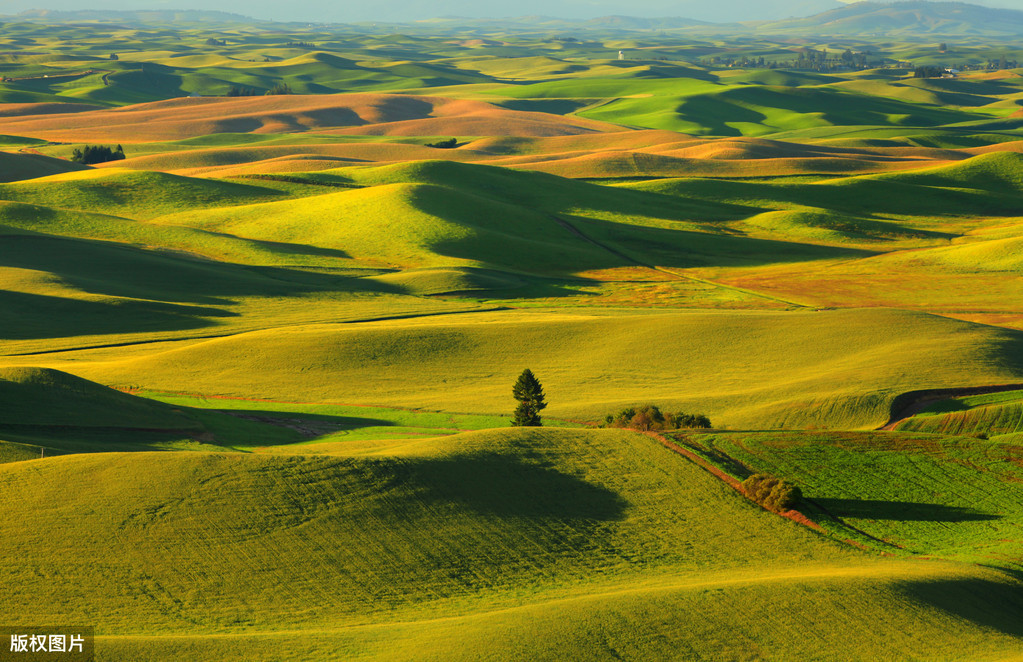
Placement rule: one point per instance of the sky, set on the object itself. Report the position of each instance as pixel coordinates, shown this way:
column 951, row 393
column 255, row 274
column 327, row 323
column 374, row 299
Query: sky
column 344, row 11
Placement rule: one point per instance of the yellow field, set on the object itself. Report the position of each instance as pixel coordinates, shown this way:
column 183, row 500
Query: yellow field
column 256, row 377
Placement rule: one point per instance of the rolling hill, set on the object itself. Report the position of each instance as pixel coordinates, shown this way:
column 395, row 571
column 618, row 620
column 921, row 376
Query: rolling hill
column 911, row 18
column 862, row 359
column 439, row 548
column 255, row 378
column 15, row 167
column 366, row 114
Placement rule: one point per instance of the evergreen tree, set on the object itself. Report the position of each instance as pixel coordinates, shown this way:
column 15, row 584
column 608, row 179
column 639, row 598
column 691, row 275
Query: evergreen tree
column 529, row 393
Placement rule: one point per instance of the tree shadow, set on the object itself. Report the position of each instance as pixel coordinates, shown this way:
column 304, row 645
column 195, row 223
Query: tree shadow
column 509, row 486
column 900, row 511
column 990, row 604
column 308, row 426
column 945, row 407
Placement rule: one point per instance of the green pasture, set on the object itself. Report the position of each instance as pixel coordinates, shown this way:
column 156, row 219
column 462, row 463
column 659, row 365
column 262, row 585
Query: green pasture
column 265, row 414
column 440, row 546
column 989, row 415
column 943, row 496
column 754, row 370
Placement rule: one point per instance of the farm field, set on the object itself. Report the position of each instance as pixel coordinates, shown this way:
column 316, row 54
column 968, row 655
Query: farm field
column 256, row 375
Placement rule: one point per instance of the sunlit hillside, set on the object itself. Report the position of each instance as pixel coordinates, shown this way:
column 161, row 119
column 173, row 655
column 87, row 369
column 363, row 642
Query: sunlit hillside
column 269, row 294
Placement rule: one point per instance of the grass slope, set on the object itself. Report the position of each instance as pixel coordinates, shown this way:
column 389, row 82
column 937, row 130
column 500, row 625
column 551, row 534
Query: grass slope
column 39, row 396
column 447, row 546
column 993, row 414
column 759, row 370
column 45, row 411
column 131, row 193
column 937, row 495
column 14, row 167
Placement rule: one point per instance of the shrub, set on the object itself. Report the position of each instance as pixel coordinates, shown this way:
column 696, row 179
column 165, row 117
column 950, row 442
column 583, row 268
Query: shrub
column 772, row 493
column 650, row 417
column 444, row 144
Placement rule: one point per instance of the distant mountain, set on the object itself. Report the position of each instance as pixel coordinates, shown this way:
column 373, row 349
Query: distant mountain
column 904, row 19
column 142, row 16
column 732, row 11
column 634, row 23
column 694, row 17
column 405, row 11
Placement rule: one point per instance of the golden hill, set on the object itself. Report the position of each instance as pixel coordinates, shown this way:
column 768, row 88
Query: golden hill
column 374, row 114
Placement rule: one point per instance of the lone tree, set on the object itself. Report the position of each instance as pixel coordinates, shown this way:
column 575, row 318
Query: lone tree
column 529, row 393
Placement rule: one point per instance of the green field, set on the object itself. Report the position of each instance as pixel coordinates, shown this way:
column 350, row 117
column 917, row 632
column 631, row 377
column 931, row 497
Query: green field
column 256, row 377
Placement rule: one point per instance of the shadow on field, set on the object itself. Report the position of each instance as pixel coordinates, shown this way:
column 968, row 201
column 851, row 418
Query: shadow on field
column 27, row 316
column 990, row 604
column 507, row 486
column 110, row 269
column 308, row 426
column 901, row 511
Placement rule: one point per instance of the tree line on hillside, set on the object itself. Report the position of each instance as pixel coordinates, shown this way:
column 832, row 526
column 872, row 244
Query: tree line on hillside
column 806, row 59
column 277, row 89
column 650, row 417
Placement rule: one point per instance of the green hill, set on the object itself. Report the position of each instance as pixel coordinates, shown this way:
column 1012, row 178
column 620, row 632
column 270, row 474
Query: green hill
column 993, row 415
column 440, row 226
column 905, row 19
column 445, row 547
column 754, row 370
column 901, row 493
column 14, row 167
column 133, row 194
column 39, row 396
column 44, row 411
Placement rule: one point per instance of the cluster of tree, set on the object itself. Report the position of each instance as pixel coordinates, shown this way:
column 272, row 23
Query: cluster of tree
column 213, row 41
column 1002, row 63
column 236, row 91
column 855, row 60
column 744, row 62
column 810, row 58
column 279, row 88
column 650, row 417
column 90, row 154
column 807, row 58
column 928, row 71
column 299, row 44
column 529, row 394
column 444, row 144
column 772, row 493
